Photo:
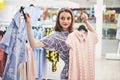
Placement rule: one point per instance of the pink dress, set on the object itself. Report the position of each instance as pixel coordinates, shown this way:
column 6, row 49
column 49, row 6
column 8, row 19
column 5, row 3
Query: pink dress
column 81, row 55
column 30, row 73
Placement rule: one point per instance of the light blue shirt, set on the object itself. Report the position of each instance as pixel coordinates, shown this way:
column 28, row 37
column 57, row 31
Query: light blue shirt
column 13, row 44
column 42, row 58
column 39, row 55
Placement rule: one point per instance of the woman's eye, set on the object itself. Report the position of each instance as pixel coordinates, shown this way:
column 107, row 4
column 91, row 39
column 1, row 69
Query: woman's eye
column 68, row 18
column 62, row 18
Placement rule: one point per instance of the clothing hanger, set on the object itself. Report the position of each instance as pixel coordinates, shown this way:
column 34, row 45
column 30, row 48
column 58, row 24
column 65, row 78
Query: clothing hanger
column 82, row 27
column 22, row 10
column 31, row 5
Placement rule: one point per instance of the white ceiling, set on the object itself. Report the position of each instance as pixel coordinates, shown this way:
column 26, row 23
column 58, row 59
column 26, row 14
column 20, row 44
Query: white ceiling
column 62, row 3
column 43, row 3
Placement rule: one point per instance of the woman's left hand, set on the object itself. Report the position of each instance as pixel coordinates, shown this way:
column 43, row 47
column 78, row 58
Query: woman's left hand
column 84, row 17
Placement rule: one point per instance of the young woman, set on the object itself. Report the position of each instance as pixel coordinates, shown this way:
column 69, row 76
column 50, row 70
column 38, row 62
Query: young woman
column 56, row 40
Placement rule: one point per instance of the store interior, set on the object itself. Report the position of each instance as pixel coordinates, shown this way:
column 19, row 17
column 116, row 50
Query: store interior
column 106, row 24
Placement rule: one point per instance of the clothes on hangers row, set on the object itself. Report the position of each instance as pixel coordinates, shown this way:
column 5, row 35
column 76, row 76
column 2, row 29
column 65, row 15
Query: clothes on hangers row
column 41, row 55
column 14, row 45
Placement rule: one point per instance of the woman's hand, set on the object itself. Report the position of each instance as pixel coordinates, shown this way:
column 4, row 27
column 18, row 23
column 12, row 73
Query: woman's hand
column 84, row 17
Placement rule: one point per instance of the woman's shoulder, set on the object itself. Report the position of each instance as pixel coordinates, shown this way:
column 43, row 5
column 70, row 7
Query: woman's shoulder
column 54, row 34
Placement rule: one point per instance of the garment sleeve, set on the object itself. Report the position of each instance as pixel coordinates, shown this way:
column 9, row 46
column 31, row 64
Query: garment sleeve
column 94, row 37
column 50, row 42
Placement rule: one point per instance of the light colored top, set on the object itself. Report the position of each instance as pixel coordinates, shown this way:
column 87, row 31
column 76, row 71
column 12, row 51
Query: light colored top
column 30, row 63
column 81, row 55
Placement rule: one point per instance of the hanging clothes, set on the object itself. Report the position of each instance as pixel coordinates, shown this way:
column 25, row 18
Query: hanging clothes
column 3, row 57
column 42, row 55
column 118, row 28
column 81, row 55
column 13, row 43
column 52, row 56
column 22, row 71
column 30, row 73
column 39, row 54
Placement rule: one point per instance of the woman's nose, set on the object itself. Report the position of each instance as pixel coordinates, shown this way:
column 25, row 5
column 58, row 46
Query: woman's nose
column 65, row 20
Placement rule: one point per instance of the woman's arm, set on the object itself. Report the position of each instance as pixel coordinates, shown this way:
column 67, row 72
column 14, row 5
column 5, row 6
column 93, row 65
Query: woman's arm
column 34, row 43
column 84, row 18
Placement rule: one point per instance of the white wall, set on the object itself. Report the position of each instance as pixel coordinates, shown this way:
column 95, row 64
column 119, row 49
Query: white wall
column 55, row 75
column 7, row 13
column 43, row 3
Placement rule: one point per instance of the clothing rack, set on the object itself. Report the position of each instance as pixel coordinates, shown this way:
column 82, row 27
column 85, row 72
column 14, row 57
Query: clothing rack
column 46, row 27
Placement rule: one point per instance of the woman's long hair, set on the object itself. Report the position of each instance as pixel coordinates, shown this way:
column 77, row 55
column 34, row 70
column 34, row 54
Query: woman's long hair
column 58, row 27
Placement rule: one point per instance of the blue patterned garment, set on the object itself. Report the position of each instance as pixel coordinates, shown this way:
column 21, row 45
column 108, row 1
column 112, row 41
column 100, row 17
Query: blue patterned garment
column 13, row 44
column 39, row 55
column 56, row 42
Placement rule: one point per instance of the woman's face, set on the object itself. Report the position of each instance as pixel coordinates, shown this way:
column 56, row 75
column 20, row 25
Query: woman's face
column 65, row 20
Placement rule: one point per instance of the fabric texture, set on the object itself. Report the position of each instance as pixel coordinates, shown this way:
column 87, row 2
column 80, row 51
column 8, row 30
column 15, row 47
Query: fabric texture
column 56, row 42
column 81, row 55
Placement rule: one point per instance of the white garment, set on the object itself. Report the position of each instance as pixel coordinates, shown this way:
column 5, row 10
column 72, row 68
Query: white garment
column 34, row 12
